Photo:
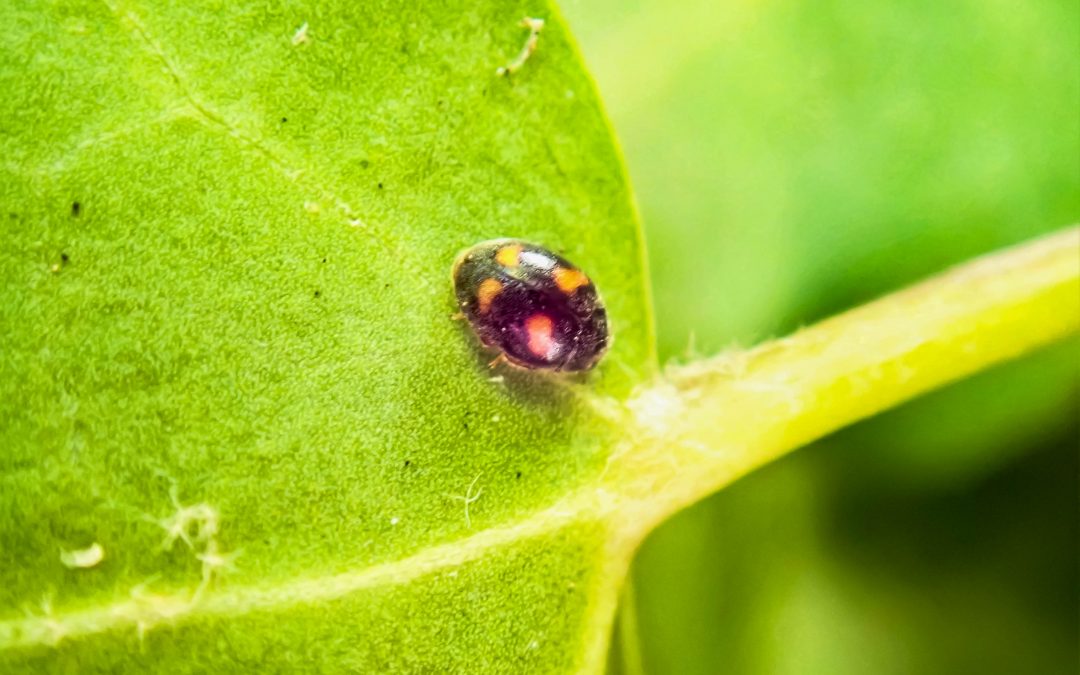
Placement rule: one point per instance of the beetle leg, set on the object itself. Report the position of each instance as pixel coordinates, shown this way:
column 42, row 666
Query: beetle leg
column 569, row 357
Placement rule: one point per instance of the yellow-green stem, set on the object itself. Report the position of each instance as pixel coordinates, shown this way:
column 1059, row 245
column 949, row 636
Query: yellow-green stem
column 710, row 422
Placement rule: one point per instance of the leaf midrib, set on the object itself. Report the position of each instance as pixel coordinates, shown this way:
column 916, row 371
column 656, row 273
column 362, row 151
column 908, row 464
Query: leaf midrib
column 677, row 448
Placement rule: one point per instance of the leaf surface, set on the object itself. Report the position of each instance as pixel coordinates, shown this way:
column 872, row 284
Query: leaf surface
column 228, row 353
column 241, row 429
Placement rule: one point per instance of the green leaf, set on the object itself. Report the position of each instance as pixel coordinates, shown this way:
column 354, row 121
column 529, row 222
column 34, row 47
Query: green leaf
column 241, row 429
column 227, row 319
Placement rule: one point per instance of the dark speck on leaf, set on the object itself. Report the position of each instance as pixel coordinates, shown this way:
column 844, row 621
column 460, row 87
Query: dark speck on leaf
column 408, row 462
column 76, row 209
column 64, row 257
column 380, row 186
column 284, row 119
column 318, row 293
column 364, row 164
column 518, row 475
column 386, row 286
column 324, row 259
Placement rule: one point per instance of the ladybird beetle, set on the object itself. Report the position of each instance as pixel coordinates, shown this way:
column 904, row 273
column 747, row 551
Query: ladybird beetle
column 534, row 306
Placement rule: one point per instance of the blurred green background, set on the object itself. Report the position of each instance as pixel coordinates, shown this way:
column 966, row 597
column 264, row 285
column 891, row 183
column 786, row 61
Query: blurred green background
column 791, row 160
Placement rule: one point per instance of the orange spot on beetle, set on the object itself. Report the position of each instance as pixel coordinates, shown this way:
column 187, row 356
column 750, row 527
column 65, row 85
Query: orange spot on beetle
column 541, row 331
column 569, row 280
column 507, row 256
column 486, row 292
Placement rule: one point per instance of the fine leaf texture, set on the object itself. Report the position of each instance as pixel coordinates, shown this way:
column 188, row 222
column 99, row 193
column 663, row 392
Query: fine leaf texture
column 228, row 356
column 241, row 430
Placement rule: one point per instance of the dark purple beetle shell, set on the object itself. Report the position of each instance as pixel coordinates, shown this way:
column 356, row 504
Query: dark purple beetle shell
column 534, row 306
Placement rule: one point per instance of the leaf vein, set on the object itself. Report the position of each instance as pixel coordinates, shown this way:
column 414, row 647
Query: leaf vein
column 216, row 121
column 143, row 611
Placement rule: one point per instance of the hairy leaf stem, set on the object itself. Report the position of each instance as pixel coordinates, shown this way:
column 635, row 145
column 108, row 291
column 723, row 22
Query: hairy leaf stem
column 706, row 423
